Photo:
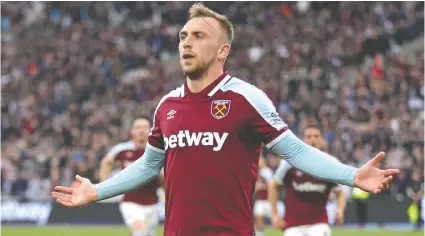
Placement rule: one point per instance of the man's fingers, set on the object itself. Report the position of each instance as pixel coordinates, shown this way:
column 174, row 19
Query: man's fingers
column 64, row 189
column 65, row 203
column 389, row 179
column 62, row 199
column 62, row 196
column 389, row 172
column 79, row 178
column 386, row 181
column 386, row 185
column 378, row 158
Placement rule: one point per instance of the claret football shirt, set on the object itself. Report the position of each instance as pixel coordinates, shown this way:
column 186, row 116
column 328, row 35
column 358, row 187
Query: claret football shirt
column 212, row 141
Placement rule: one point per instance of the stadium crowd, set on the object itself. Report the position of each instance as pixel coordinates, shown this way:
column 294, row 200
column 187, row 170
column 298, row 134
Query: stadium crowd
column 75, row 74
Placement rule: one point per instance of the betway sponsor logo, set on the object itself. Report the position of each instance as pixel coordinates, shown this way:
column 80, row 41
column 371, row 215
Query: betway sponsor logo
column 185, row 138
column 309, row 187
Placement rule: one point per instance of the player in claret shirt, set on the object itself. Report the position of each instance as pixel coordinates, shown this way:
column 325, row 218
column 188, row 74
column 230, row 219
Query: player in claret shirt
column 305, row 196
column 139, row 207
column 207, row 134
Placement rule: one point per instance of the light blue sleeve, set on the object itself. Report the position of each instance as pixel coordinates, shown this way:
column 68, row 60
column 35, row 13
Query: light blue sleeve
column 139, row 173
column 312, row 161
column 281, row 171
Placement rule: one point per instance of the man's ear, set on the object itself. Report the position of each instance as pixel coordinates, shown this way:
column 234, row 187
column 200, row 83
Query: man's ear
column 223, row 52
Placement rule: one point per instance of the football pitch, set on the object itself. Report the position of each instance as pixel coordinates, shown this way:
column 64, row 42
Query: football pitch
column 118, row 231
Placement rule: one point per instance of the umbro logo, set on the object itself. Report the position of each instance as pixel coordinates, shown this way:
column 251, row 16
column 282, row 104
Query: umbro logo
column 170, row 114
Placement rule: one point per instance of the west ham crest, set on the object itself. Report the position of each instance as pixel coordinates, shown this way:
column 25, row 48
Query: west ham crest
column 220, row 108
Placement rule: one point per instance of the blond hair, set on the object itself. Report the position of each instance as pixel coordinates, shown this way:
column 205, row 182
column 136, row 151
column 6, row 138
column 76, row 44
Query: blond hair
column 200, row 10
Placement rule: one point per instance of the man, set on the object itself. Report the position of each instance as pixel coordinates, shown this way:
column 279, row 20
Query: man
column 337, row 200
column 139, row 207
column 207, row 135
column 262, row 205
column 306, row 197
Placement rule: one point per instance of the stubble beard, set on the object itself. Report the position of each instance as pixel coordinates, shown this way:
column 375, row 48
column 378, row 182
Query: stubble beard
column 199, row 71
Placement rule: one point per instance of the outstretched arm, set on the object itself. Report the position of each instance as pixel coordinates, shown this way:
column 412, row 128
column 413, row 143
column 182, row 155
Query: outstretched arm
column 139, row 173
column 322, row 166
column 313, row 161
column 265, row 122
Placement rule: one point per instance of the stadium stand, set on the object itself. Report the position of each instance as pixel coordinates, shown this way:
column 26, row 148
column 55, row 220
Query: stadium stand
column 75, row 74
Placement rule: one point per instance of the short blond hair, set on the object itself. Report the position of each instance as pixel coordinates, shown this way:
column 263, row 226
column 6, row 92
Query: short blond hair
column 200, row 10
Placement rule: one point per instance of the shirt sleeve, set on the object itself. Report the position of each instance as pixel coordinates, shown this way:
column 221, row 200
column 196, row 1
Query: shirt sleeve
column 117, row 149
column 263, row 119
column 313, row 162
column 155, row 138
column 112, row 154
column 139, row 173
column 281, row 171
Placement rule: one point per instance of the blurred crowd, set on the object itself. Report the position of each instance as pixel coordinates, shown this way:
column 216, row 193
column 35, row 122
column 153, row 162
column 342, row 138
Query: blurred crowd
column 75, row 74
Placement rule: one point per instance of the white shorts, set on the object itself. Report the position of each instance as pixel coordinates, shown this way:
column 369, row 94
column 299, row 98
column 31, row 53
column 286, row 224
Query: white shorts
column 263, row 208
column 331, row 208
column 320, row 229
column 132, row 212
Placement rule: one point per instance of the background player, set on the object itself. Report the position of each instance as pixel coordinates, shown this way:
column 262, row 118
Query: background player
column 262, row 205
column 139, row 207
column 306, row 197
column 337, row 199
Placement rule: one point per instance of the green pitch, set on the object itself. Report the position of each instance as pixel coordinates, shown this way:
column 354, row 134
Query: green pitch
column 118, row 231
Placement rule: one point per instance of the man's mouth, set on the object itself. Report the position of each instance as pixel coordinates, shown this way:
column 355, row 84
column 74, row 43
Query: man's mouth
column 188, row 56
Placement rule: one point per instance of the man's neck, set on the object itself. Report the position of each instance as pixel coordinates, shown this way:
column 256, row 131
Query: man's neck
column 140, row 144
column 199, row 84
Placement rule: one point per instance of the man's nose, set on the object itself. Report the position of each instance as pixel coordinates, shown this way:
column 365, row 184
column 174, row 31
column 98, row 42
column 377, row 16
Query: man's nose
column 187, row 43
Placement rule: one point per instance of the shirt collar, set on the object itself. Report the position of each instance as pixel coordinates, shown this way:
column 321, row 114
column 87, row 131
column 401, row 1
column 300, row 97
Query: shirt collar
column 211, row 89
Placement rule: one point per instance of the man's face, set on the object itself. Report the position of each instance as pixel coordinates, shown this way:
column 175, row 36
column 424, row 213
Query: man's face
column 140, row 129
column 199, row 45
column 312, row 137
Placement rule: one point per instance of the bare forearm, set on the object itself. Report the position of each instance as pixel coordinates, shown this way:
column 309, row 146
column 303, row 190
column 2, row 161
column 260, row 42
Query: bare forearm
column 340, row 201
column 105, row 171
column 273, row 196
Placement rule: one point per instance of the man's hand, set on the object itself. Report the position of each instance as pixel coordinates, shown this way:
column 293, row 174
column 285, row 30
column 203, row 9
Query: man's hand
column 82, row 194
column 371, row 179
column 277, row 222
column 339, row 217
